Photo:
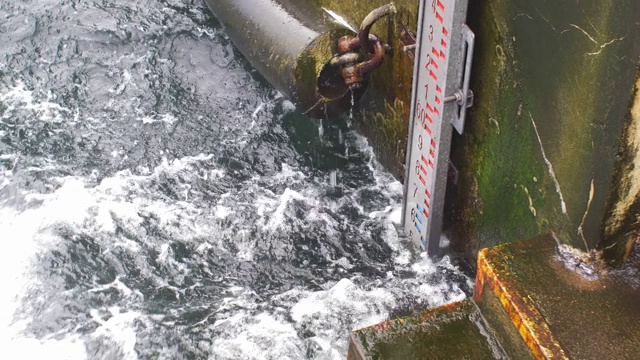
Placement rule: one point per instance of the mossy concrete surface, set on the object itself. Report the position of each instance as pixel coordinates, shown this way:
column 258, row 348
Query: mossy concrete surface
column 553, row 83
column 454, row 331
column 558, row 301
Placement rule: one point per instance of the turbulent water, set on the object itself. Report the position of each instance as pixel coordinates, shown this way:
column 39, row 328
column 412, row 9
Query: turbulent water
column 158, row 200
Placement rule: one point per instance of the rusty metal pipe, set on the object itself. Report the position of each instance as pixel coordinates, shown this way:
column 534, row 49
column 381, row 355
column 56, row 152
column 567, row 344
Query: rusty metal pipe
column 348, row 47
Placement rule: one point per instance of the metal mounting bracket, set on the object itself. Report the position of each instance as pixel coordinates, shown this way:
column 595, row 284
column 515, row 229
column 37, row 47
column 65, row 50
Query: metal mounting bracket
column 463, row 97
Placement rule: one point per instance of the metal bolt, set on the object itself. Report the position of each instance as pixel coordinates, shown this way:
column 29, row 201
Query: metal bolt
column 409, row 47
column 458, row 97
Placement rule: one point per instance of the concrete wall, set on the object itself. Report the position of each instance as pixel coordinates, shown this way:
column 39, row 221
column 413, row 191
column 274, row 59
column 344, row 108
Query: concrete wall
column 554, row 81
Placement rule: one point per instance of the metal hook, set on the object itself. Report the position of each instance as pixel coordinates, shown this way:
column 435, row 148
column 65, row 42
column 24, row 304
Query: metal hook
column 367, row 23
column 352, row 72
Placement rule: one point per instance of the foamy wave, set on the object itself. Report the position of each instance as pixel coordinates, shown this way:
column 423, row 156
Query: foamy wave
column 116, row 327
column 321, row 319
column 32, row 230
column 257, row 337
column 20, row 98
column 298, row 323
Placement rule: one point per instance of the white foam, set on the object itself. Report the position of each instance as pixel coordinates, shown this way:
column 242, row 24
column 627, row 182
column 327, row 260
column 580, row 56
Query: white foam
column 222, row 212
column 329, row 315
column 261, row 336
column 26, row 234
column 287, row 172
column 19, row 97
column 288, row 106
column 396, row 215
column 345, row 296
column 245, row 246
column 439, row 293
column 67, row 348
column 166, row 119
column 97, row 210
column 217, row 174
column 344, row 262
column 278, row 217
column 117, row 329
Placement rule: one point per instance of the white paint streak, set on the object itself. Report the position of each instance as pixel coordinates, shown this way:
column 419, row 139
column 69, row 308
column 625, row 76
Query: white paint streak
column 605, row 45
column 563, row 205
column 592, row 191
column 585, row 33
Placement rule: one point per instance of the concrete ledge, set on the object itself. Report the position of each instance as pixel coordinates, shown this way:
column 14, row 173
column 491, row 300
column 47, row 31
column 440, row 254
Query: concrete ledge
column 454, row 331
column 494, row 275
column 561, row 305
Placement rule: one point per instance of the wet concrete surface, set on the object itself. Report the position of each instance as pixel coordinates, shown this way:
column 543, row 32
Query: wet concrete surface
column 553, row 83
column 454, row 331
column 590, row 313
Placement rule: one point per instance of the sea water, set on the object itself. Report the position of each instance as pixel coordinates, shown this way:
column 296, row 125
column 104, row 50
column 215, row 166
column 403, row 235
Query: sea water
column 159, row 200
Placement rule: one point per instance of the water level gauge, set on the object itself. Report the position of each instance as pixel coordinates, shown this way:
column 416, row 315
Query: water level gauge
column 439, row 101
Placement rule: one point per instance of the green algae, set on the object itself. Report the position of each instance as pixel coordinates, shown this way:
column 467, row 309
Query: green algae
column 454, row 331
column 498, row 153
column 538, row 153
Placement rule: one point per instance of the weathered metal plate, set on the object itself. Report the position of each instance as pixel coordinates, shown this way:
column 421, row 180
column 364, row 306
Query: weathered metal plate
column 438, row 70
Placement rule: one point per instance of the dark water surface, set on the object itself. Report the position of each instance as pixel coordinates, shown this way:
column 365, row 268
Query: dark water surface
column 159, row 201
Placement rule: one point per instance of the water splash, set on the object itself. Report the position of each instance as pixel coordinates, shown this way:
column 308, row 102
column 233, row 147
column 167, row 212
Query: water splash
column 353, row 105
column 166, row 212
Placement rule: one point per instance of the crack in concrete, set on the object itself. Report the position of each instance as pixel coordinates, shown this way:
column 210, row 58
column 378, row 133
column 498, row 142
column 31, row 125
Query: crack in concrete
column 522, row 14
column 591, row 38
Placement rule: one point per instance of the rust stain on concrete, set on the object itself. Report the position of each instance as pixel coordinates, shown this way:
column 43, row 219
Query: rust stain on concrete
column 529, row 322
